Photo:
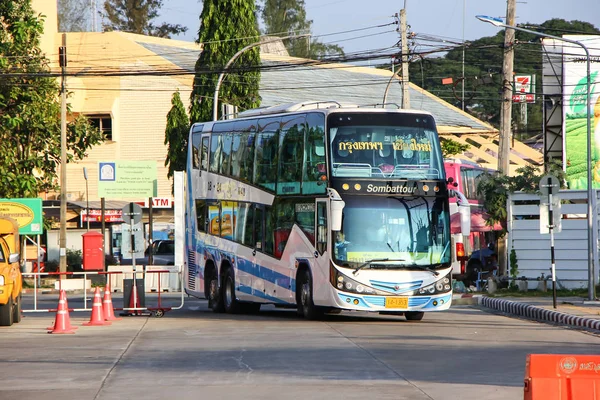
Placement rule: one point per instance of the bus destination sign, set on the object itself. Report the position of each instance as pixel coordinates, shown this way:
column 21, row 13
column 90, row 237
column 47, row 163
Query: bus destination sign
column 406, row 188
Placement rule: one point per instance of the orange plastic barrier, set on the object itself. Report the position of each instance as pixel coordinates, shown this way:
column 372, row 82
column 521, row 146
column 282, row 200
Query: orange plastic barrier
column 562, row 377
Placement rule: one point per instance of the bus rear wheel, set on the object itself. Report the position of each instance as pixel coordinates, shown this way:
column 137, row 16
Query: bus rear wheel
column 215, row 299
column 230, row 302
column 414, row 315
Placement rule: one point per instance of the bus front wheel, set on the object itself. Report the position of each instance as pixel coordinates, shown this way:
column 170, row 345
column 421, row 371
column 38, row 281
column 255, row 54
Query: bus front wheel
column 306, row 306
column 414, row 315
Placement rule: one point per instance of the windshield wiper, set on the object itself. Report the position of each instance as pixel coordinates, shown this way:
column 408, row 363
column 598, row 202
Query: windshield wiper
column 368, row 263
column 423, row 267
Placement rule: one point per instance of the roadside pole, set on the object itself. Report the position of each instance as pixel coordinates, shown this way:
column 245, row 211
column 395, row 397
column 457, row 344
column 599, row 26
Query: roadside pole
column 549, row 187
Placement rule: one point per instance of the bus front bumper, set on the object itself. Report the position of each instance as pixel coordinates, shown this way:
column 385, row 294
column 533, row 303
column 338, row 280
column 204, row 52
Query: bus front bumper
column 376, row 303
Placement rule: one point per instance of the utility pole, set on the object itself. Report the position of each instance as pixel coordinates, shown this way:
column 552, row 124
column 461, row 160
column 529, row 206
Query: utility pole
column 62, row 241
column 507, row 91
column 404, row 40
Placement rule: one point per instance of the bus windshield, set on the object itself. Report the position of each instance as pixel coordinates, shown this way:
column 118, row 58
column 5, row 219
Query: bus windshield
column 384, row 145
column 409, row 231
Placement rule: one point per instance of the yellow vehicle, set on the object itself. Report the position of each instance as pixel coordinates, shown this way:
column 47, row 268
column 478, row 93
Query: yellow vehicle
column 11, row 281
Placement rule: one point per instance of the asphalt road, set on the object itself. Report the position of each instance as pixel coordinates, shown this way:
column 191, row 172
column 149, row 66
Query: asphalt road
column 464, row 353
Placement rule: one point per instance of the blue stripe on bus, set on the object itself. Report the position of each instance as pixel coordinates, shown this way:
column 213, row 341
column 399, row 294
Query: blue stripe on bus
column 262, row 295
column 266, row 274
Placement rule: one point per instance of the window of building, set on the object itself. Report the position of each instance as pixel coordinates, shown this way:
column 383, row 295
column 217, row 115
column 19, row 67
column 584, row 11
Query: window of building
column 103, row 123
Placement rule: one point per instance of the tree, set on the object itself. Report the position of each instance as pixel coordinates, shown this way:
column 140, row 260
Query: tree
column 30, row 110
column 452, row 147
column 73, row 15
column 176, row 136
column 226, row 26
column 288, row 18
column 135, row 16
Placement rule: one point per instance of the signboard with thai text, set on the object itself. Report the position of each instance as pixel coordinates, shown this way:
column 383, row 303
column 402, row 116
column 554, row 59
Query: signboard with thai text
column 127, row 179
column 27, row 213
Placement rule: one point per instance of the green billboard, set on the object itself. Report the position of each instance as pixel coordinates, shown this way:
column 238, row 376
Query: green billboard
column 27, row 213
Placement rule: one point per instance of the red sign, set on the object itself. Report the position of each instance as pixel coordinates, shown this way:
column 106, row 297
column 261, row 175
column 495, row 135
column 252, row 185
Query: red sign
column 523, row 98
column 95, row 215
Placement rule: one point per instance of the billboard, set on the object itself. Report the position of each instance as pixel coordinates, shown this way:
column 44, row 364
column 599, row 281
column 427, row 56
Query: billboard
column 127, row 179
column 575, row 110
column 27, row 213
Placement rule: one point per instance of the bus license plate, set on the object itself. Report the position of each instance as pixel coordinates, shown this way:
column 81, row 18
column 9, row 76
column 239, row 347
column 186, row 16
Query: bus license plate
column 396, row 302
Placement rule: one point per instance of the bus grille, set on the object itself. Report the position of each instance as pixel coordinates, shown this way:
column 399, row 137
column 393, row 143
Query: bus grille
column 192, row 270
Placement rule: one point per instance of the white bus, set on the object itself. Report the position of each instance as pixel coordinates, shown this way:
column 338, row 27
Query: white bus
column 319, row 207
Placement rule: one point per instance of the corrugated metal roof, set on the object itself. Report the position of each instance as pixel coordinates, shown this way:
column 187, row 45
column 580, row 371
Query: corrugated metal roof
column 287, row 79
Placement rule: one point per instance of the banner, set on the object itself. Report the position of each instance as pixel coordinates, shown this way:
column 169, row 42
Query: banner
column 575, row 99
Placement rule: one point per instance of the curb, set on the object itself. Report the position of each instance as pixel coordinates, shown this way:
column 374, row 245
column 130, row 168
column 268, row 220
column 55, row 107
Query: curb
column 538, row 313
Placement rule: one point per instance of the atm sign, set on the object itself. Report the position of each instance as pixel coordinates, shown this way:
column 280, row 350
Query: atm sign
column 158, row 202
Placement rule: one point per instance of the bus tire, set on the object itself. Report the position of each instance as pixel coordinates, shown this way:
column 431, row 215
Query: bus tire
column 230, row 302
column 215, row 299
column 306, row 306
column 17, row 310
column 414, row 315
column 6, row 313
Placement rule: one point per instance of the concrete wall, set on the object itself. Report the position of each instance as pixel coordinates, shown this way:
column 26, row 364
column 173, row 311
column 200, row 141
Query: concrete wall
column 570, row 244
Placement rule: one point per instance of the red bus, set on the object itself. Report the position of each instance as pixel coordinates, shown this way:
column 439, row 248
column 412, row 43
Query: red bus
column 464, row 177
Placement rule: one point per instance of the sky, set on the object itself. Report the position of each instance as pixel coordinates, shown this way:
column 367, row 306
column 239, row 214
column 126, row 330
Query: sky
column 441, row 18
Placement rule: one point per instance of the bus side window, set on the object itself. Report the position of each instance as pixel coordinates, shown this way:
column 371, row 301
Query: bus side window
column 314, row 154
column 204, row 154
column 267, row 144
column 215, row 152
column 245, row 225
column 201, row 215
column 196, row 150
column 269, row 230
column 258, row 227
column 321, row 227
column 214, row 219
column 291, row 155
column 225, row 166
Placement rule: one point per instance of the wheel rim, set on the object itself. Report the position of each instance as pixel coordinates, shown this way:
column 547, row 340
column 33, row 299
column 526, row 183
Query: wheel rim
column 228, row 293
column 305, row 295
column 213, row 289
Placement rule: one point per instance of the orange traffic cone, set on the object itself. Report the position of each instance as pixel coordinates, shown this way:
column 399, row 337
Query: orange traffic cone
column 63, row 297
column 62, row 323
column 97, row 317
column 107, row 307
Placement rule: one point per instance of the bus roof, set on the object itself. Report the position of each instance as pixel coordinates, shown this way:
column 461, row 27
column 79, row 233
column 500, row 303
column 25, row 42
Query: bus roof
column 328, row 106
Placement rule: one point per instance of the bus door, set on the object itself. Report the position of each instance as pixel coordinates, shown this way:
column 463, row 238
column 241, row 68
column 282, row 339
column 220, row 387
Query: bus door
column 320, row 261
column 247, row 272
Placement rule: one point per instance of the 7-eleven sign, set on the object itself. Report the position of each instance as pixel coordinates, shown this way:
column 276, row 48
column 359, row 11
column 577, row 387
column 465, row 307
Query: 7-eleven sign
column 524, row 89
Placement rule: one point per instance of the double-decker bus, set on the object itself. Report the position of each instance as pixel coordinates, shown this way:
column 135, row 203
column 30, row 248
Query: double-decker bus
column 319, row 207
column 464, row 176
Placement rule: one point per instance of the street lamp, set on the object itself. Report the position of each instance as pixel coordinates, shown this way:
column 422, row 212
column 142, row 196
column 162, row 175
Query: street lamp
column 232, row 59
column 591, row 259
column 87, row 198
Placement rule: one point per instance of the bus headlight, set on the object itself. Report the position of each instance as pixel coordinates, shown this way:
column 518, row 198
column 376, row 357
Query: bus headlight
column 441, row 286
column 347, row 284
column 1, row 280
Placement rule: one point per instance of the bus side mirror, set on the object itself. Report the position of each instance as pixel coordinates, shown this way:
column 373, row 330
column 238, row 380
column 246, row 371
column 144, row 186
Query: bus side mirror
column 337, row 206
column 465, row 219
